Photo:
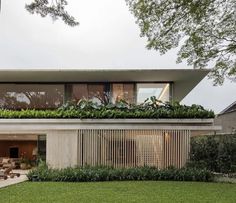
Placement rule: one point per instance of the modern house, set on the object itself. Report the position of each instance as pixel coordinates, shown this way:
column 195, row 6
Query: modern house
column 113, row 142
column 227, row 119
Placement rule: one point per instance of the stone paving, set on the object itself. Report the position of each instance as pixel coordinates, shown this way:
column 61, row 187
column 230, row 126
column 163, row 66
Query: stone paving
column 15, row 180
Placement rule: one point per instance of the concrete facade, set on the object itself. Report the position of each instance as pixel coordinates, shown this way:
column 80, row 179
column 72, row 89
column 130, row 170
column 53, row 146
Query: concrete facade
column 116, row 142
column 63, row 148
column 227, row 121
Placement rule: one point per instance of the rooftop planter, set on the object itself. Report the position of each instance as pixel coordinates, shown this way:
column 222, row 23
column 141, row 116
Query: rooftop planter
column 150, row 109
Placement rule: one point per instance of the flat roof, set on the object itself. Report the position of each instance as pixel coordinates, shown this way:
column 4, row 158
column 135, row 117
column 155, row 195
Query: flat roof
column 184, row 79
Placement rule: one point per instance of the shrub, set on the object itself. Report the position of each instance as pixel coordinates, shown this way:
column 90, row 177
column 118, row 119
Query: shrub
column 151, row 108
column 91, row 174
column 214, row 152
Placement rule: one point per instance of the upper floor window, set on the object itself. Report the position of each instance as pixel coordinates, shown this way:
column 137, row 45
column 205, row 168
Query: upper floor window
column 160, row 90
column 94, row 92
column 31, row 96
column 123, row 91
column 51, row 96
column 102, row 92
column 114, row 92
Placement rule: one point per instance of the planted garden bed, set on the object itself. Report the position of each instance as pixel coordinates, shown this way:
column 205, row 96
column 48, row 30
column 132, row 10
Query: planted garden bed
column 91, row 174
column 151, row 108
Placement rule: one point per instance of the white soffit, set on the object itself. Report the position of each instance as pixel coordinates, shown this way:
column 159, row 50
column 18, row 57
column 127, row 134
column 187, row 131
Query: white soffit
column 18, row 137
column 184, row 79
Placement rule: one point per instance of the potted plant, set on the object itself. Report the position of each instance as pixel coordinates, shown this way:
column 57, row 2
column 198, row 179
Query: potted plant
column 24, row 163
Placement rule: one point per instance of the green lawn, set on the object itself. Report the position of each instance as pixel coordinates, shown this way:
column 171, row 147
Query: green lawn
column 146, row 191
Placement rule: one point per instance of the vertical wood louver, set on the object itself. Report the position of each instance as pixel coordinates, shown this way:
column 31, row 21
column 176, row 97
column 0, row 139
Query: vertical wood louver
column 132, row 148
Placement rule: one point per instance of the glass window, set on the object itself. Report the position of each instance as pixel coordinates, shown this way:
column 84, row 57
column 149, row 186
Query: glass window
column 79, row 91
column 117, row 91
column 31, row 96
column 94, row 92
column 160, row 90
column 41, row 151
column 103, row 92
column 123, row 91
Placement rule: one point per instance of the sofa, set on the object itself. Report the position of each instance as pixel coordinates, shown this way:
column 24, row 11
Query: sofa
column 6, row 162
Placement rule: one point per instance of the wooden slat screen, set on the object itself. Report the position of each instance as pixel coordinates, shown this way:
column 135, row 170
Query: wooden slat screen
column 132, row 148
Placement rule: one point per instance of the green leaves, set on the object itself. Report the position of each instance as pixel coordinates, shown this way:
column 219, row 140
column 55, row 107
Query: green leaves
column 54, row 9
column 204, row 28
column 216, row 152
column 102, row 173
column 151, row 108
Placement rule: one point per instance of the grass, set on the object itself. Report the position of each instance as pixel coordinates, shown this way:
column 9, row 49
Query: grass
column 142, row 191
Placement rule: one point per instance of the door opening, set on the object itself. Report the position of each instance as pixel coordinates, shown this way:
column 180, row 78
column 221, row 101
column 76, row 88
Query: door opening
column 14, row 152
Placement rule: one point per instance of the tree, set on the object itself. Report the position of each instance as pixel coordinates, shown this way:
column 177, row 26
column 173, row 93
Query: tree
column 205, row 29
column 53, row 8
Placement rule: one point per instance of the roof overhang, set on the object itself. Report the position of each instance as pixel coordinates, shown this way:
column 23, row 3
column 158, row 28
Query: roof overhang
column 184, row 80
column 229, row 109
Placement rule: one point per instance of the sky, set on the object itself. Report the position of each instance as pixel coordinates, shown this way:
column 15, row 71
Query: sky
column 107, row 37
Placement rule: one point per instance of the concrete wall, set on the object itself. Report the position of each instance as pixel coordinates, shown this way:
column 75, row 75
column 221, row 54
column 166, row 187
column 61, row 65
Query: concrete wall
column 62, row 148
column 227, row 121
column 64, row 143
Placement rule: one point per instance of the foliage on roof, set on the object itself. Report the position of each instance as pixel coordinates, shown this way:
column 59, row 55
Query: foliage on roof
column 150, row 109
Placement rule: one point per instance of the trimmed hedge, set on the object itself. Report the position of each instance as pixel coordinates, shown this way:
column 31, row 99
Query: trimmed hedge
column 151, row 108
column 90, row 174
column 214, row 152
